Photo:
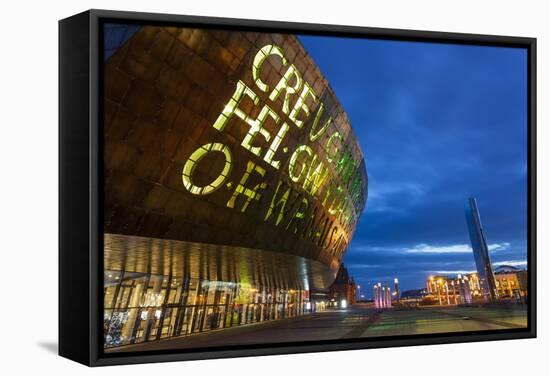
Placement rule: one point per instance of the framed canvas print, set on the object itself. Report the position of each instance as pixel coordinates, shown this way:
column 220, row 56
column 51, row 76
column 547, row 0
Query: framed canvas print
column 241, row 187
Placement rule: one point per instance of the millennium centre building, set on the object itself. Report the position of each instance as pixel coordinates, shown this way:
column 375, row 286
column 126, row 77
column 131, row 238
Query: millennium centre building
column 233, row 181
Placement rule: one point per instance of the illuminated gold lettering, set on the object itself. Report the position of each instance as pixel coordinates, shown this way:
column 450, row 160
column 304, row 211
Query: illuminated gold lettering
column 328, row 193
column 326, row 230
column 232, row 107
column 327, row 221
column 315, row 176
column 195, row 158
column 332, row 233
column 315, row 234
column 292, row 164
column 256, row 126
column 275, row 145
column 356, row 188
column 333, row 209
column 331, row 156
column 339, row 245
column 284, row 84
column 321, row 230
column 343, row 212
column 314, row 136
column 299, row 215
column 259, row 59
column 301, row 105
column 280, row 202
column 309, row 226
column 346, row 166
column 251, row 194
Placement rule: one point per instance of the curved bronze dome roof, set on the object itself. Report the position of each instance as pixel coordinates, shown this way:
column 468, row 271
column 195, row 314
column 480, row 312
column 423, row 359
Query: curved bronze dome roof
column 227, row 143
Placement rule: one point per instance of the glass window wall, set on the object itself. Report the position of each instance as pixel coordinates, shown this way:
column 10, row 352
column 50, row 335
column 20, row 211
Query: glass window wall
column 143, row 307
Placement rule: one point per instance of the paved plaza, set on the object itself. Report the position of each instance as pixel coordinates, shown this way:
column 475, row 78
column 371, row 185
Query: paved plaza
column 355, row 322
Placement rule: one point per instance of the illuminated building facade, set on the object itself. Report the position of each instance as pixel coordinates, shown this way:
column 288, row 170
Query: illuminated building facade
column 511, row 283
column 446, row 290
column 481, row 252
column 413, row 298
column 233, row 181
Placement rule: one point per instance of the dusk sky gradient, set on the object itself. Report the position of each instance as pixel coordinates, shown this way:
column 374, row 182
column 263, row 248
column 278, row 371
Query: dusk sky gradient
column 437, row 123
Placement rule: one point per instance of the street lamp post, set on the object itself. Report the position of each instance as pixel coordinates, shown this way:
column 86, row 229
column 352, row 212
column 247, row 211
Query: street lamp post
column 396, row 288
column 439, row 291
column 454, row 292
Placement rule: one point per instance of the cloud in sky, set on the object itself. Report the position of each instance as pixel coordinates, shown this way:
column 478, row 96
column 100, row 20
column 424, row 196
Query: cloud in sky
column 454, row 248
column 517, row 263
column 437, row 123
column 434, row 249
column 514, row 263
column 498, row 246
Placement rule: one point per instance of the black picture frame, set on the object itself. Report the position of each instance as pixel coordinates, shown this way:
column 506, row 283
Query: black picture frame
column 80, row 182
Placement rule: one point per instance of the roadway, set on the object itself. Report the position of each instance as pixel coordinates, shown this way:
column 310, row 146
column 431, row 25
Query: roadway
column 355, row 322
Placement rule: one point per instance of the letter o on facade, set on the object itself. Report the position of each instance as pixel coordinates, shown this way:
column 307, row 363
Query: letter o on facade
column 193, row 161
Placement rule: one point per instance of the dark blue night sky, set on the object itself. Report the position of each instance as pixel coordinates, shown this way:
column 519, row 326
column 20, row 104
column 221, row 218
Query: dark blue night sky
column 437, row 123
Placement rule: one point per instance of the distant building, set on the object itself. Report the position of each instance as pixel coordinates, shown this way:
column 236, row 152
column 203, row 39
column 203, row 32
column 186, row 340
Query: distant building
column 511, row 282
column 481, row 252
column 320, row 299
column 417, row 294
column 447, row 290
column 343, row 288
column 522, row 278
column 413, row 297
